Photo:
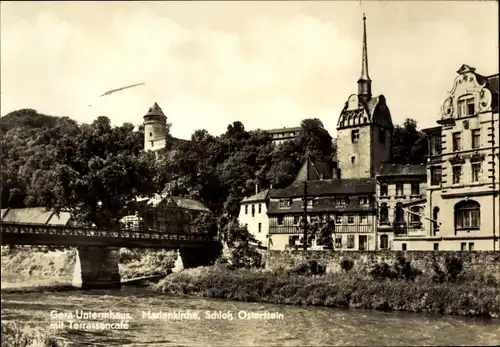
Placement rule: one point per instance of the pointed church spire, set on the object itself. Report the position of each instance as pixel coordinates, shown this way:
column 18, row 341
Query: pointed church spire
column 364, row 82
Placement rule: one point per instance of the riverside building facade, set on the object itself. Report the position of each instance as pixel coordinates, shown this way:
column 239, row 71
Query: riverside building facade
column 463, row 169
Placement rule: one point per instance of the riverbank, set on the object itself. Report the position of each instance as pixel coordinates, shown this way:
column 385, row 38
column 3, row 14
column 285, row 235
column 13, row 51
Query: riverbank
column 16, row 335
column 28, row 269
column 344, row 290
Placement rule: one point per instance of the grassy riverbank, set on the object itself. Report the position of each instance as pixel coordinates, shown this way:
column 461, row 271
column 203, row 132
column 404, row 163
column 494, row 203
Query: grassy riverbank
column 343, row 290
column 16, row 335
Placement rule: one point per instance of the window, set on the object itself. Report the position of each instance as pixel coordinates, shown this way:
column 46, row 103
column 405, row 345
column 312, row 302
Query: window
column 381, row 135
column 399, row 216
column 246, row 225
column 340, row 201
column 260, row 227
column 350, row 219
column 260, row 208
column 310, row 203
column 465, row 106
column 435, row 145
column 436, row 246
column 150, row 134
column 363, row 200
column 296, row 220
column 363, row 218
column 476, row 138
column 471, row 246
column 350, row 241
column 456, row 174
column 415, row 216
column 338, row 241
column 384, row 214
column 354, row 136
column 285, row 203
column 383, row 189
column 457, row 141
column 280, row 220
column 415, row 188
column 435, row 175
column 353, row 160
column 253, row 210
column 463, row 246
column 467, row 214
column 435, row 224
column 384, row 241
column 152, row 143
column 338, row 219
column 292, row 240
column 399, row 189
column 476, row 171
column 470, row 106
column 246, row 209
column 403, row 246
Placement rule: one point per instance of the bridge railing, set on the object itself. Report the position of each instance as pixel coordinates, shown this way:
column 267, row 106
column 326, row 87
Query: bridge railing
column 59, row 230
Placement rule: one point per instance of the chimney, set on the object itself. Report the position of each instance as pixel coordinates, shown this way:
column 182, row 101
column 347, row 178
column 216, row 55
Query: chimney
column 256, row 188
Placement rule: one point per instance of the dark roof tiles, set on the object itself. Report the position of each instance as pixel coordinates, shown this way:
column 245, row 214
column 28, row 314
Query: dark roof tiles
column 326, row 187
column 388, row 169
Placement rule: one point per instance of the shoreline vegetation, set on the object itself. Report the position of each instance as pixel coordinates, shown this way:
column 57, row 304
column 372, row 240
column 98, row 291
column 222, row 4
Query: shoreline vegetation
column 449, row 289
column 341, row 290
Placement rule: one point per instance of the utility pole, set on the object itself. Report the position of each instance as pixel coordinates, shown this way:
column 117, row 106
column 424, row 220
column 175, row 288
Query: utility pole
column 305, row 214
column 493, row 175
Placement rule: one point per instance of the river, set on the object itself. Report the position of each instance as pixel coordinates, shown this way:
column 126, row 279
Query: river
column 298, row 326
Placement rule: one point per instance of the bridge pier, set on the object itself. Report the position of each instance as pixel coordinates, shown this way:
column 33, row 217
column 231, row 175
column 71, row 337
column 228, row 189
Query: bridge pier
column 96, row 267
column 199, row 257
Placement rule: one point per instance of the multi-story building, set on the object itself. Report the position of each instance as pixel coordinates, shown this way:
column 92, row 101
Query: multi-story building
column 463, row 169
column 253, row 215
column 350, row 203
column 281, row 135
column 401, row 202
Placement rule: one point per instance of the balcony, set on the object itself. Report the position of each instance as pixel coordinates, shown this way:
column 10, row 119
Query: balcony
column 414, row 229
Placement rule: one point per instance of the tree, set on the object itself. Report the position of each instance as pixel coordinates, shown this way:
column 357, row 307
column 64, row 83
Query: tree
column 409, row 143
column 100, row 172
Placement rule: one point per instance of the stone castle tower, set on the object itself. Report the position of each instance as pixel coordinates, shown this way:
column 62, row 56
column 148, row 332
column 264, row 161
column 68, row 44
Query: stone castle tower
column 155, row 129
column 364, row 128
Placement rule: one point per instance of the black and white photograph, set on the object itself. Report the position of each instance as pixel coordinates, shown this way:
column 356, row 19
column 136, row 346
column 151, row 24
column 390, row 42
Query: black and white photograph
column 249, row 173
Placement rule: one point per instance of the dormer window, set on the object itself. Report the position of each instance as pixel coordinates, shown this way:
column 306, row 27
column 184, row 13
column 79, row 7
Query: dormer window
column 466, row 106
column 284, row 203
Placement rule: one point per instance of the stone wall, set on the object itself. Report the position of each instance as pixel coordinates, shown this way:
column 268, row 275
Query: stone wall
column 477, row 262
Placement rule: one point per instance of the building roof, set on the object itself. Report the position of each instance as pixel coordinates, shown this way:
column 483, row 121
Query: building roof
column 35, row 215
column 388, row 169
column 261, row 196
column 155, row 110
column 313, row 169
column 188, row 204
column 283, row 130
column 326, row 187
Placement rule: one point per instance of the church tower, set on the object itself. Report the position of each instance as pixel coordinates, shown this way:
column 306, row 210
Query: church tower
column 155, row 129
column 364, row 128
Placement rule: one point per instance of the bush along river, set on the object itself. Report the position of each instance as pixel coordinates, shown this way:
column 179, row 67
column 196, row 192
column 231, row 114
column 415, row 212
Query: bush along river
column 142, row 317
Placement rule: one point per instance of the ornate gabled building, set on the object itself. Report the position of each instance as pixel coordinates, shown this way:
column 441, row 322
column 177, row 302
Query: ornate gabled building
column 463, row 168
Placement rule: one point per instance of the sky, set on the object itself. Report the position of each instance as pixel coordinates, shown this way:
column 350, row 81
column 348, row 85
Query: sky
column 266, row 64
